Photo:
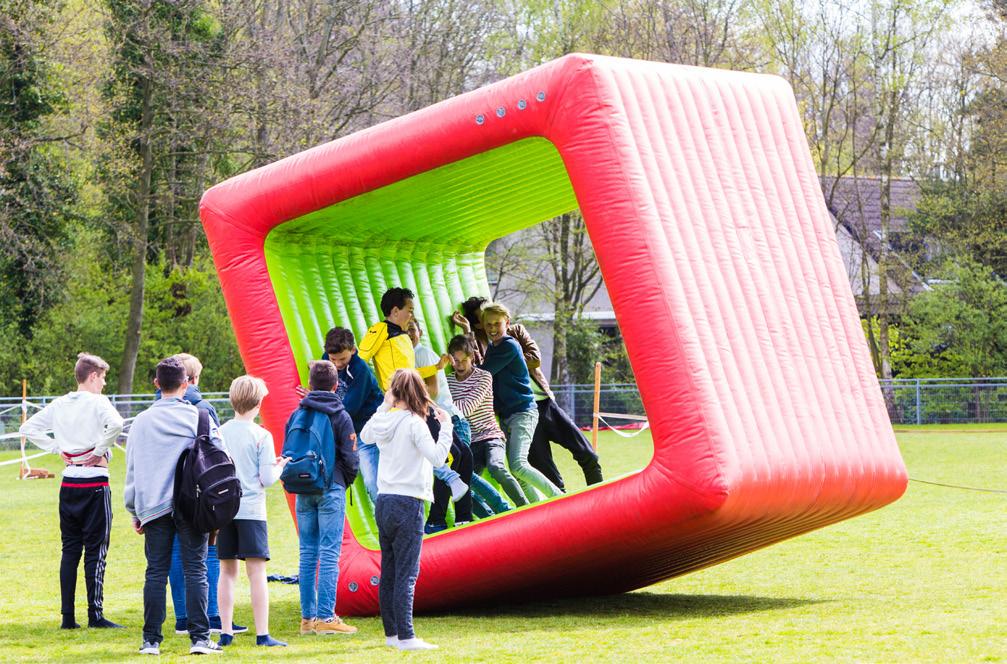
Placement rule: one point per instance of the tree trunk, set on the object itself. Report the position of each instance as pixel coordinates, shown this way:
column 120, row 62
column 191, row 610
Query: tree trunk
column 138, row 271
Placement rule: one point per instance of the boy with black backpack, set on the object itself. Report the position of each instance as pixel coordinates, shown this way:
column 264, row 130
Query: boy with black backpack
column 320, row 441
column 157, row 439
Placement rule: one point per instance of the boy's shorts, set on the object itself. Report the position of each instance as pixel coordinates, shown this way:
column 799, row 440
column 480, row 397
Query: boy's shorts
column 243, row 538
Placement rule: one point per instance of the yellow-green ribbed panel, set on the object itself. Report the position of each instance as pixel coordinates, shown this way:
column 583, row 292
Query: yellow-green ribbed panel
column 427, row 233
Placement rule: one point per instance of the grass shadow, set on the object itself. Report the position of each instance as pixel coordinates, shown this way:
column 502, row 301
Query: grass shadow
column 637, row 605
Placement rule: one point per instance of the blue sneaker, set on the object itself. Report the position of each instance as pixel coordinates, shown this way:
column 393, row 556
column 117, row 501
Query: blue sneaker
column 235, row 627
column 431, row 528
column 268, row 641
column 226, row 640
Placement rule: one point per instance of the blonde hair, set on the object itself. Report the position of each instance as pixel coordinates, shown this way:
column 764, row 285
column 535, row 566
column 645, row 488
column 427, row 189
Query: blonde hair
column 88, row 364
column 494, row 308
column 407, row 386
column 246, row 393
column 193, row 367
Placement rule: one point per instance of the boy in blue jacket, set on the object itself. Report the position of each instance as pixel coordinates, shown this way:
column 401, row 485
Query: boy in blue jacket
column 359, row 392
column 513, row 401
column 320, row 517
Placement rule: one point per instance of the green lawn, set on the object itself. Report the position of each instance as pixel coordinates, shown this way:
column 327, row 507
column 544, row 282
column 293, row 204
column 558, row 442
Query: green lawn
column 921, row 580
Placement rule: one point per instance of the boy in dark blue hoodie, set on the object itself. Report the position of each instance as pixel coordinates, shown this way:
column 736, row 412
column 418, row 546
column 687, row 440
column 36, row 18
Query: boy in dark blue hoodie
column 359, row 391
column 320, row 517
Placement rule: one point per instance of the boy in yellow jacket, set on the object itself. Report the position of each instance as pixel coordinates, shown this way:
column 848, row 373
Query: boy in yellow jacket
column 387, row 342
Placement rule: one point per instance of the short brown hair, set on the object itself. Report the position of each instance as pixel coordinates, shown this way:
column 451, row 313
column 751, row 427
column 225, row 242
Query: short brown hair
column 461, row 343
column 339, row 339
column 322, row 375
column 88, row 364
column 407, row 386
column 193, row 367
column 495, row 309
column 246, row 393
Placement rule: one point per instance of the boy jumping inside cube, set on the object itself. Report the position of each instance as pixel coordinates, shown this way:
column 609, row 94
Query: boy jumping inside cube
column 84, row 426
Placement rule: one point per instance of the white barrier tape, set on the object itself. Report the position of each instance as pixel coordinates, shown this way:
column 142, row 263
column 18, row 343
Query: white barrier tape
column 22, row 459
column 646, row 425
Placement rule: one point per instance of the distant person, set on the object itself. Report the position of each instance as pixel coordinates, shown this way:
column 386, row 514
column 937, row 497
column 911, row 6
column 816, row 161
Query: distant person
column 513, row 401
column 83, row 426
column 553, row 422
column 176, row 579
column 156, row 440
column 320, row 517
column 472, row 391
column 405, row 481
column 247, row 536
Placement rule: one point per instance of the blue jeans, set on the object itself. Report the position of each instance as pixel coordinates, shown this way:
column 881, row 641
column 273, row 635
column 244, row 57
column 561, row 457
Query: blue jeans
column 320, row 531
column 369, row 456
column 486, row 500
column 520, row 429
column 176, row 580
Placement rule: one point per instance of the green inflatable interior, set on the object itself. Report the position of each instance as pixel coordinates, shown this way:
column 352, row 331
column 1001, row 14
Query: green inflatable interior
column 428, row 233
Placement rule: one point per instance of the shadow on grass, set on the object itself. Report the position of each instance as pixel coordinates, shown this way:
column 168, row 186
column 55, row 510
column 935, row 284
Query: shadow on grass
column 636, row 605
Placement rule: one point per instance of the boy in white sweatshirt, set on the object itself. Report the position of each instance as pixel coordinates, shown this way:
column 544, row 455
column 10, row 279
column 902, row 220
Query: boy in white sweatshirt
column 81, row 426
column 405, row 479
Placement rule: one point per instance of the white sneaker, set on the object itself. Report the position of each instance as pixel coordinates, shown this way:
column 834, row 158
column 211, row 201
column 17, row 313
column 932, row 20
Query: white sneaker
column 205, row 647
column 150, row 648
column 392, row 641
column 458, row 489
column 416, row 643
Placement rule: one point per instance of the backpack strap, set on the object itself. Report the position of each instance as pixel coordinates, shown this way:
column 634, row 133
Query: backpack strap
column 203, row 425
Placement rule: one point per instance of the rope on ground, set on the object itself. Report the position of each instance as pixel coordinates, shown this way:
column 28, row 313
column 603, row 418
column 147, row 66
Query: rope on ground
column 646, row 425
column 958, row 486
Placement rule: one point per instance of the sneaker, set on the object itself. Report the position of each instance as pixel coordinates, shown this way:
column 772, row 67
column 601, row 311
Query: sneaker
column 307, row 626
column 205, row 647
column 181, row 626
column 458, row 489
column 268, row 641
column 334, row 625
column 392, row 641
column 459, row 524
column 416, row 643
column 150, row 648
column 215, row 626
column 431, row 528
column 226, row 640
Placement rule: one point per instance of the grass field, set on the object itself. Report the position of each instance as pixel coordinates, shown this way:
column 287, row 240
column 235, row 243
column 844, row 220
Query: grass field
column 921, row 580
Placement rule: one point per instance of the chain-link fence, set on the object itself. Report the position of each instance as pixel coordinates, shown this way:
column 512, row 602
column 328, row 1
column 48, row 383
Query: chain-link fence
column 910, row 401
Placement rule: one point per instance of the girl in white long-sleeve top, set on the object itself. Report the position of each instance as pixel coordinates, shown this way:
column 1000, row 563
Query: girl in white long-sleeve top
column 405, row 479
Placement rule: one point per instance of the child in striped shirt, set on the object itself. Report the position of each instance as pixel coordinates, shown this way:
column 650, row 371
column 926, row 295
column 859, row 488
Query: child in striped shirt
column 472, row 391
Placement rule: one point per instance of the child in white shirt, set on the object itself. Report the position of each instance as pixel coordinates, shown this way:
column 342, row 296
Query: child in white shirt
column 246, row 538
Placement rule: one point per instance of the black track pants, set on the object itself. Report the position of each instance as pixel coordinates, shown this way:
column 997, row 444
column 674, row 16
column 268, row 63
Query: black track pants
column 85, row 523
column 556, row 426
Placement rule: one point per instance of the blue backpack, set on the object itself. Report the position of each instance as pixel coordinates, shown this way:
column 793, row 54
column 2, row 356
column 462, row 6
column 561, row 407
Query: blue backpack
column 309, row 443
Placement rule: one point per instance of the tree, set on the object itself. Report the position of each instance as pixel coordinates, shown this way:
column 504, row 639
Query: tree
column 164, row 55
column 37, row 193
column 960, row 327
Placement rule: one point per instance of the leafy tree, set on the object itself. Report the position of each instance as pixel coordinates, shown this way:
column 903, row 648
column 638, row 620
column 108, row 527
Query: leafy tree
column 37, row 193
column 959, row 328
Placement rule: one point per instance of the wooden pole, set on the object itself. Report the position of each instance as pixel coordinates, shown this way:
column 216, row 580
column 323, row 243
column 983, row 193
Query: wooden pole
column 597, row 405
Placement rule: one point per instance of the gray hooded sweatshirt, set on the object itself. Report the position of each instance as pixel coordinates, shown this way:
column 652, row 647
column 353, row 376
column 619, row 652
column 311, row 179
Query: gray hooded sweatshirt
column 156, row 440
